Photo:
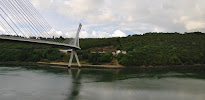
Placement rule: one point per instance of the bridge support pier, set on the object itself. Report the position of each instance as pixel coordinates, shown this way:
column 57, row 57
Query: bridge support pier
column 73, row 52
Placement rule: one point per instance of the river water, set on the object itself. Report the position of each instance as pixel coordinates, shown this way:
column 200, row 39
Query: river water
column 46, row 83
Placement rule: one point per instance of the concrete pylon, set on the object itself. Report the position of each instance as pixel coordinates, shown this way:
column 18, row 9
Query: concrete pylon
column 73, row 51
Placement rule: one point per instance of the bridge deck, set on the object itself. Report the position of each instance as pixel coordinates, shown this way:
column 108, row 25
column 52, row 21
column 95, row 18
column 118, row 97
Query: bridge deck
column 38, row 41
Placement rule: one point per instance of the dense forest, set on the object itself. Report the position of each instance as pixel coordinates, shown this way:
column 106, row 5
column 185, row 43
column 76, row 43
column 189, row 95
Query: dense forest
column 150, row 49
column 155, row 48
column 27, row 52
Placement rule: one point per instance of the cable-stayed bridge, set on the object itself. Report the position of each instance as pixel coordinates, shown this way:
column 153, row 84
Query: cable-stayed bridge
column 21, row 21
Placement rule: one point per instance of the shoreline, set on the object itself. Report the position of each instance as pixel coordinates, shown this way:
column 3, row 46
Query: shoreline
column 65, row 65
column 83, row 65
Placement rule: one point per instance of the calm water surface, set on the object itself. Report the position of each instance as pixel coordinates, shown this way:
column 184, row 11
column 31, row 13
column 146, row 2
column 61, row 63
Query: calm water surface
column 45, row 83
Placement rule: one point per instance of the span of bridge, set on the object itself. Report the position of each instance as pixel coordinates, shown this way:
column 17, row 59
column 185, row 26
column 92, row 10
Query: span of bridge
column 38, row 41
column 21, row 21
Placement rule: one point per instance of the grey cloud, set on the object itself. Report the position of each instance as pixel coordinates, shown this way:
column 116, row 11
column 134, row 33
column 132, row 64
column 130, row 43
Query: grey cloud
column 133, row 15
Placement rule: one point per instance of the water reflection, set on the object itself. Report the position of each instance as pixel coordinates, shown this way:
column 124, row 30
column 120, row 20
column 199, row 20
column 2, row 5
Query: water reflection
column 75, row 88
column 33, row 82
column 141, row 84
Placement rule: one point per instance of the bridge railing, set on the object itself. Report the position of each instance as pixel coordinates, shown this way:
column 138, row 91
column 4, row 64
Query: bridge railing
column 41, row 41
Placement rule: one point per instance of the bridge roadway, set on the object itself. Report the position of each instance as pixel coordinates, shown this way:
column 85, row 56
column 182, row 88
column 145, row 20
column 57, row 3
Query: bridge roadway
column 38, row 41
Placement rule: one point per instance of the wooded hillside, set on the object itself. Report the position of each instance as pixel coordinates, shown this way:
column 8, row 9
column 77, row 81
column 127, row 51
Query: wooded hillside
column 148, row 49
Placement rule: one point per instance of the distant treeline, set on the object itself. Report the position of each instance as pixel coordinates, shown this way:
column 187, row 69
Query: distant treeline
column 28, row 52
column 148, row 49
column 155, row 48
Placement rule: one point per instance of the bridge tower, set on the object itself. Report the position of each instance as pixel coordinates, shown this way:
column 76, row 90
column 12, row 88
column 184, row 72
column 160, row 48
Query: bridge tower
column 73, row 51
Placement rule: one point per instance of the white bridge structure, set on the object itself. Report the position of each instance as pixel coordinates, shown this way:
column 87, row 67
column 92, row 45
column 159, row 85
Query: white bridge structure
column 20, row 21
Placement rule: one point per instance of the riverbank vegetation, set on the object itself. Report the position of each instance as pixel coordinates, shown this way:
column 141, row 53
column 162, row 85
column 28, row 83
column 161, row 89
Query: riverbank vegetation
column 150, row 49
column 154, row 49
column 27, row 52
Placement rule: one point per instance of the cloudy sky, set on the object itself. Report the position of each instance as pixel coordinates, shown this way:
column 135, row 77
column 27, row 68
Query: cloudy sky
column 112, row 18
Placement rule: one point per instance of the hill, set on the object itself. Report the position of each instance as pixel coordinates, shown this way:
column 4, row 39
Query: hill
column 142, row 50
column 155, row 48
